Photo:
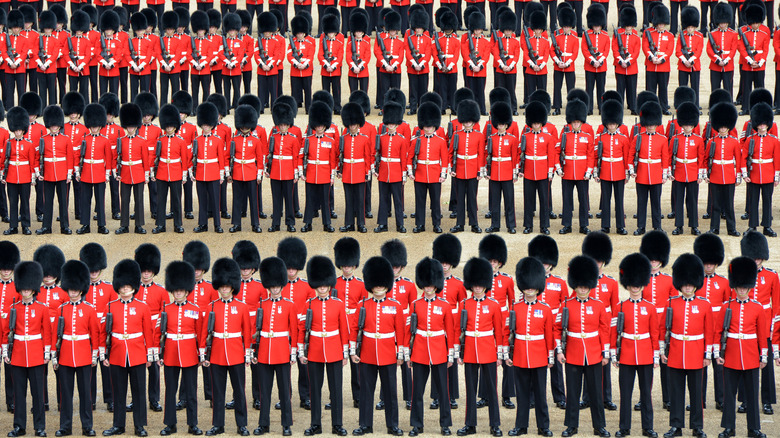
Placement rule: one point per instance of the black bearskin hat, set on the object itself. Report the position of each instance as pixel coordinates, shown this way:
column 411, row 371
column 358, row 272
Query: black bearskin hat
column 429, row 273
column 656, row 246
column 754, row 245
column 650, row 114
column 493, row 247
column 361, row 98
column 646, row 96
column 184, row 17
column 576, row 110
column 462, row 94
column 137, row 22
column 659, row 14
column 688, row 114
column 182, row 100
column 179, row 276
column 476, row 21
column 31, row 16
column 283, row 114
column 478, row 272
column 16, row 19
column 742, row 273
column 449, row 21
column 627, row 16
column 762, row 114
column 378, row 272
column 293, row 251
column 170, row 20
column 75, row 276
column 419, row 20
column 53, row 116
column 760, row 95
column 207, row 114
column 499, row 94
column 687, row 270
column 48, row 20
column 231, row 21
column 567, row 17
column 535, row 112
column 320, row 272
column 578, row 93
column 538, row 20
column 18, row 119
column 130, row 115
column 358, row 23
column 352, row 114
column 199, row 20
column 722, row 13
column 320, row 115
column 94, row 256
column 324, row 97
column 109, row 20
column 60, row 13
column 225, row 272
column 392, row 21
column 544, row 248
column 9, row 255
column 500, row 114
column 28, row 276
column 447, row 249
column 298, row 24
column 307, row 16
column 245, row 117
column 110, row 102
column 710, row 249
column 611, row 112
column 432, row 97
column 273, row 272
column 583, row 272
column 596, row 16
column 530, row 274
column 148, row 257
column 635, row 270
column 754, row 14
column 197, row 254
column 32, row 103
column 254, row 101
column 598, row 246
column 124, row 17
column 151, row 17
column 507, row 20
column 215, row 18
column 395, row 95
column 392, row 114
column 723, row 115
column 468, row 111
column 683, row 94
column 266, row 22
column 148, row 104
column 689, row 16
column 95, row 115
column 51, row 258
column 346, row 252
column 395, row 252
column 91, row 10
column 246, row 254
column 169, row 117
column 220, row 102
column 126, row 273
column 611, row 94
column 280, row 18
column 429, row 114
column 543, row 97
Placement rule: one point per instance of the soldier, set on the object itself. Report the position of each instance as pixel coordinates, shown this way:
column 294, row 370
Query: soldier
column 687, row 167
column 476, row 49
column 658, row 47
column 32, row 103
column 112, row 50
column 185, row 43
column 625, row 50
column 187, row 131
column 722, row 47
column 595, row 47
column 154, row 45
column 301, row 57
column 9, row 258
column 32, row 338
column 73, row 107
column 265, row 57
column 124, row 36
column 56, row 169
column 390, row 167
column 587, row 322
column 171, row 163
column 724, row 158
column 93, row 35
column 20, row 166
column 132, row 167
column 566, row 49
column 182, row 334
column 611, row 168
column 246, row 158
column 141, row 56
column 531, row 344
column 331, row 56
column 390, row 59
column 203, row 53
column 648, row 162
column 282, row 165
column 355, row 160
column 318, row 164
column 428, row 165
column 93, row 166
column 129, row 345
column 74, row 357
column 208, row 166
column 171, row 51
column 690, row 44
column 535, row 58
column 575, row 165
column 634, row 342
column 467, row 155
column 502, row 166
column 16, row 50
column 447, row 53
column 745, row 346
column 150, row 108
column 759, row 170
column 47, row 54
column 233, row 59
column 418, row 48
column 538, row 155
column 753, row 50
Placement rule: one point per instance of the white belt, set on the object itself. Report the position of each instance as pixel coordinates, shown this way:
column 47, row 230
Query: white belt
column 19, row 163
column 430, row 334
column 212, row 160
column 723, row 161
column 27, row 337
column 390, row 160
column 155, row 317
column 274, row 334
column 505, row 308
column 635, row 337
column 608, row 309
column 529, row 337
column 244, row 161
column 227, row 335
column 406, row 311
column 466, row 157
column 75, row 337
column 499, row 159
column 167, row 161
column 687, row 337
column 583, row 335
column 716, row 309
column 354, row 160
column 649, row 161
column 767, row 306
column 57, row 159
column 324, row 334
column 379, row 335
column 428, row 162
column 612, row 159
column 686, row 160
column 764, row 161
column 126, row 336
column 351, row 311
column 555, row 311
column 536, row 157
column 180, row 336
column 742, row 336
column 132, row 163
column 283, row 157
column 574, row 157
column 253, row 313
column 94, row 161
column 318, row 162
column 478, row 334
column 660, row 309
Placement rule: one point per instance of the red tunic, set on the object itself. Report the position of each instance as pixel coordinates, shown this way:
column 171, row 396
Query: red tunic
column 304, row 66
column 758, row 40
column 395, row 54
column 285, row 156
column 484, row 341
column 279, row 334
column 664, row 46
column 57, row 157
column 747, row 334
column 32, row 335
column 725, row 49
column 695, row 45
column 232, row 332
column 384, row 332
column 688, row 163
column 247, row 153
column 588, row 331
column 468, row 155
column 357, row 158
column 174, row 158
column 724, row 158
column 434, row 340
column 80, row 337
column 98, row 159
column 577, row 154
column 210, row 158
column 600, row 43
column 450, row 53
column 652, row 158
column 569, row 45
column 132, row 333
column 639, row 342
column 23, row 164
column 184, row 341
column 541, row 52
column 632, row 44
column 134, row 159
column 762, row 154
column 252, row 293
column 691, row 340
column 612, row 156
column 537, row 155
column 320, row 159
column 329, row 336
column 534, row 341
column 394, row 158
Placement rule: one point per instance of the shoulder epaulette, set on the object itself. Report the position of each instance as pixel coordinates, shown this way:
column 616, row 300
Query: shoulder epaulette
column 393, row 300
column 493, row 300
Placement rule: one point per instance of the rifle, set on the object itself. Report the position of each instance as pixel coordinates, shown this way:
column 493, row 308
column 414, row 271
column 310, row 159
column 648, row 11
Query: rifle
column 378, row 152
column 104, row 52
column 564, row 329
column 232, row 156
column 562, row 157
column 412, row 330
column 416, row 153
column 522, row 153
column 166, row 56
column 361, row 326
column 621, row 324
column 258, row 331
column 600, row 148
column 83, row 154
column 415, row 53
column 502, row 53
column 11, row 329
column 751, row 149
column 270, row 158
column 455, row 141
column 41, row 147
column 157, row 152
column 309, row 316
column 650, row 43
column 195, row 52
column 715, row 47
column 133, row 53
column 675, row 146
column 42, row 50
column 557, row 48
column 74, row 59
column 464, row 321
column 109, row 332
column 226, row 48
column 512, row 332
column 686, row 51
column 341, row 155
column 621, row 48
column 473, row 54
column 194, row 156
column 163, row 333
column 751, row 51
column 638, row 148
column 305, row 155
column 326, row 53
column 441, row 56
column 264, row 53
column 386, row 56
column 119, row 155
column 531, row 52
column 711, row 158
column 668, row 337
column 11, row 50
column 593, row 52
column 723, row 338
column 295, row 53
column 60, row 334
column 7, row 159
column 210, row 332
column 489, row 155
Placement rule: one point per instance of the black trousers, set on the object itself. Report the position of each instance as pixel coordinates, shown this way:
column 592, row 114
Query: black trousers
column 137, row 190
column 694, row 77
column 301, row 90
column 333, row 85
column 574, row 377
column 452, row 386
column 357, row 84
column 676, row 8
column 535, row 82
column 19, row 204
column 418, row 85
column 200, row 83
column 568, row 187
column 438, row 374
column 717, row 383
column 49, row 189
column 281, row 192
column 335, row 378
column 723, row 80
column 607, row 187
column 154, row 380
column 606, row 386
column 368, row 376
column 768, row 392
column 317, row 198
column 184, row 79
column 445, row 84
column 404, row 11
column 677, row 378
column 62, row 77
column 303, row 381
column 136, row 376
column 354, row 199
column 110, row 84
column 558, row 78
column 750, row 80
column 225, row 8
column 267, row 86
column 83, row 376
column 232, row 86
column 466, row 195
column 169, row 80
column 216, row 78
column 532, row 189
column 32, row 79
column 722, row 202
column 99, row 190
column 626, row 86
column 626, row 376
column 187, row 189
column 477, row 85
column 732, row 379
column 765, row 192
column 529, row 380
column 489, row 371
column 578, row 11
column 47, row 86
column 105, row 375
column 219, row 375
column 266, row 373
column 20, row 376
column 138, row 83
column 386, row 190
column 189, row 379
column 642, row 193
column 497, row 189
column 658, row 82
column 421, row 191
column 153, row 198
column 283, row 10
column 385, row 81
column 153, row 82
column 14, row 81
column 174, row 187
column 243, row 190
column 208, row 199
column 508, row 81
column 598, row 80
column 689, row 192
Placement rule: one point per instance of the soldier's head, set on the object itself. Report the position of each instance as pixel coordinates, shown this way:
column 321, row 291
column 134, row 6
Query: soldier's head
column 51, row 259
column 27, row 279
column 378, row 276
column 531, row 277
column 75, row 279
column 246, row 254
column 321, row 275
column 179, row 280
column 346, row 253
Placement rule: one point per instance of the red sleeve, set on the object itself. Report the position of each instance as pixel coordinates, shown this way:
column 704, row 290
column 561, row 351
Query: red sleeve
column 49, row 335
column 147, row 327
column 400, row 324
column 498, row 323
column 655, row 335
column 604, row 327
column 158, row 332
column 94, row 330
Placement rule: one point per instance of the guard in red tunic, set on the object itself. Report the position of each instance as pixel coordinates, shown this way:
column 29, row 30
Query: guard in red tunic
column 565, row 52
column 132, row 167
column 447, row 54
column 390, row 167
column 467, row 158
column 427, row 166
column 228, row 349
column 246, row 167
column 689, row 47
column 78, row 341
column 595, row 47
column 658, row 48
column 252, row 292
column 111, row 51
column 743, row 323
column 56, row 169
column 576, row 162
column 476, row 49
column 281, row 165
column 19, row 166
column 582, row 343
column 538, row 155
column 611, row 168
column 753, row 47
column 634, row 342
column 16, row 51
column 73, row 106
column 530, row 337
column 355, row 161
column 208, row 166
column 179, row 336
column 128, row 337
column 170, row 51
column 9, row 258
column 648, row 162
column 502, row 158
column 687, row 157
column 761, row 167
column 93, row 166
column 626, row 59
column 389, row 60
column 171, row 162
column 378, row 345
column 724, row 166
column 318, row 166
column 722, row 48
